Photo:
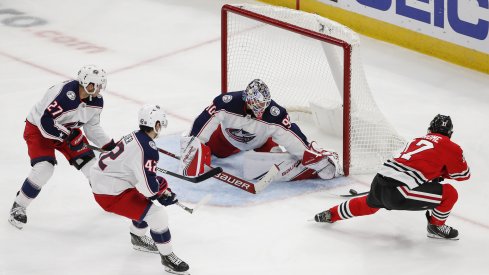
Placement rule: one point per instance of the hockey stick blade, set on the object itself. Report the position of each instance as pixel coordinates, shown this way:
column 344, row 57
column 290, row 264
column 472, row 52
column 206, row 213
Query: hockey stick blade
column 203, row 201
column 267, row 179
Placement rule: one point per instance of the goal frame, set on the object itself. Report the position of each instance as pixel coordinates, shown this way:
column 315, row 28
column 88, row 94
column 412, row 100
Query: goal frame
column 347, row 50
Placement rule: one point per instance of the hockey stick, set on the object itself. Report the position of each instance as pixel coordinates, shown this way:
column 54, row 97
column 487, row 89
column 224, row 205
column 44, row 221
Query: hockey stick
column 209, row 174
column 203, row 201
column 240, row 183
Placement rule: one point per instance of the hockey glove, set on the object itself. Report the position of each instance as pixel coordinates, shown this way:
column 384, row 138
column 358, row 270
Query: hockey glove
column 163, row 186
column 109, row 146
column 168, row 198
column 75, row 140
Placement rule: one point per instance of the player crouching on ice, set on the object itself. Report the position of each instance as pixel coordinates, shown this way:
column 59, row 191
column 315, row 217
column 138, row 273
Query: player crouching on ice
column 250, row 120
column 125, row 183
column 411, row 181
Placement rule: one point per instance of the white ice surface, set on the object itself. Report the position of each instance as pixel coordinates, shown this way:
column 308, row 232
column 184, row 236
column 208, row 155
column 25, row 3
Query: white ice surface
column 168, row 52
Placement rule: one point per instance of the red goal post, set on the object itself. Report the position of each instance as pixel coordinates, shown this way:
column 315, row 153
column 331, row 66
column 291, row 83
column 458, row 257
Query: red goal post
column 307, row 63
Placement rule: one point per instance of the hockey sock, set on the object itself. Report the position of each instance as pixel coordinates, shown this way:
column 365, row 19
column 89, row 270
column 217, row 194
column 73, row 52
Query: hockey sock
column 157, row 219
column 352, row 208
column 40, row 173
column 138, row 228
column 448, row 200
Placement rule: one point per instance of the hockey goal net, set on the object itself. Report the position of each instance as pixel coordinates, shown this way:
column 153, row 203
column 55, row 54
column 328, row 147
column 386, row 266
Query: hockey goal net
column 313, row 68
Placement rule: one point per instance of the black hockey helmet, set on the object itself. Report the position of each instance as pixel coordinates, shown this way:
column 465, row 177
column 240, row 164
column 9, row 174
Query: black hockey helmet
column 442, row 125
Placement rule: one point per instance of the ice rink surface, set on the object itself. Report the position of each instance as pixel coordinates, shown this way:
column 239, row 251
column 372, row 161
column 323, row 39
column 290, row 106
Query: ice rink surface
column 168, row 52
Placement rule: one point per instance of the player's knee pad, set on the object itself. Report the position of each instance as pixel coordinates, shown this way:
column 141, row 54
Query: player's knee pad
column 156, row 218
column 194, row 157
column 81, row 161
column 449, row 194
column 40, row 173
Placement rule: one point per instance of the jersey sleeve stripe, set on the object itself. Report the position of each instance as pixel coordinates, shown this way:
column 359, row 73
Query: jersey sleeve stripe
column 148, row 186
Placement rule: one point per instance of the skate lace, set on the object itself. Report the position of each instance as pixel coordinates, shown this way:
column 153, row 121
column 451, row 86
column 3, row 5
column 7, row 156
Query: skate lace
column 174, row 259
column 18, row 211
column 146, row 240
column 445, row 229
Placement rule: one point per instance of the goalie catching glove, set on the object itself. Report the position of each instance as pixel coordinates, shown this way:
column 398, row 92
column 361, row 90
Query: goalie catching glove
column 325, row 163
column 194, row 156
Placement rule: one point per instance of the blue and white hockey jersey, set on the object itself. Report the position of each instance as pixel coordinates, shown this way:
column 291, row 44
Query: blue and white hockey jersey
column 243, row 130
column 131, row 164
column 61, row 109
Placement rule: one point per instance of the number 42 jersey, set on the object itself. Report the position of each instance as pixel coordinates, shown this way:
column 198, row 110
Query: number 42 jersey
column 131, row 164
column 425, row 159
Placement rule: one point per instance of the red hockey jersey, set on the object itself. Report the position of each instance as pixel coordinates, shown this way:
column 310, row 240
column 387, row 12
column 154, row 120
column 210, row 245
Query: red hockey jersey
column 425, row 159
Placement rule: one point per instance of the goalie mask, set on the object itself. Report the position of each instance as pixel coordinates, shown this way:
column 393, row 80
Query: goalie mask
column 257, row 97
column 149, row 115
column 95, row 75
column 442, row 125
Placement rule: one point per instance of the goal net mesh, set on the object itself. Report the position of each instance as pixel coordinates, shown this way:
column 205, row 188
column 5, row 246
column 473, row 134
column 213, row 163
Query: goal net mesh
column 306, row 75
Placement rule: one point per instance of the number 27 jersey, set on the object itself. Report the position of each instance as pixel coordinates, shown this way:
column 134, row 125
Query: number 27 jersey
column 425, row 159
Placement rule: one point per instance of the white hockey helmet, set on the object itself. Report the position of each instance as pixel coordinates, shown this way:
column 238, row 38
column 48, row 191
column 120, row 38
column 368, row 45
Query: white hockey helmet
column 257, row 97
column 149, row 114
column 92, row 74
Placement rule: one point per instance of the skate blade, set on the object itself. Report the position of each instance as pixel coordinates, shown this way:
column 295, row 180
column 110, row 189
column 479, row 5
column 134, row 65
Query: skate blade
column 138, row 248
column 171, row 271
column 15, row 223
column 434, row 236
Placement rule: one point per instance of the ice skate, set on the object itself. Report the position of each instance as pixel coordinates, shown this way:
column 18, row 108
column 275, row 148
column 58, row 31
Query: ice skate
column 442, row 231
column 143, row 243
column 174, row 265
column 324, row 216
column 18, row 217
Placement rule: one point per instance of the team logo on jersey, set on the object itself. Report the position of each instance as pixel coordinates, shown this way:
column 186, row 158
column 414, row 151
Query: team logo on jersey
column 227, row 98
column 152, row 144
column 240, row 135
column 275, row 111
column 71, row 95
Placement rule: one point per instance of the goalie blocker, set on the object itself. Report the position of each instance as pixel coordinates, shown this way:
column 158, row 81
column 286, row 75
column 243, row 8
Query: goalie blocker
column 195, row 156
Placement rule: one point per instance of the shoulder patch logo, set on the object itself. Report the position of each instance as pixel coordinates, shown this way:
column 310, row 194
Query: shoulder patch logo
column 71, row 95
column 152, row 144
column 227, row 98
column 275, row 111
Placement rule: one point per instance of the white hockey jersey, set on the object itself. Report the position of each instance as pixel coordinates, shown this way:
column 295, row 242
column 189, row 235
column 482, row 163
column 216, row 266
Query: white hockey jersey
column 61, row 109
column 131, row 164
column 246, row 132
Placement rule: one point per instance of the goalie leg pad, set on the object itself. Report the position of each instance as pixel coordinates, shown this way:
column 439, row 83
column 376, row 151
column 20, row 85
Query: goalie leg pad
column 195, row 156
column 255, row 164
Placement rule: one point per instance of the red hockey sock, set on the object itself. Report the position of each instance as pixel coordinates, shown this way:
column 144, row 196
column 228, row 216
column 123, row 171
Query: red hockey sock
column 448, row 199
column 352, row 208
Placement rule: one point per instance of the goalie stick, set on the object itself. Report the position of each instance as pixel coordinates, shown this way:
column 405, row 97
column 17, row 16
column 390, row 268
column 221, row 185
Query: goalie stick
column 240, row 183
column 209, row 174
